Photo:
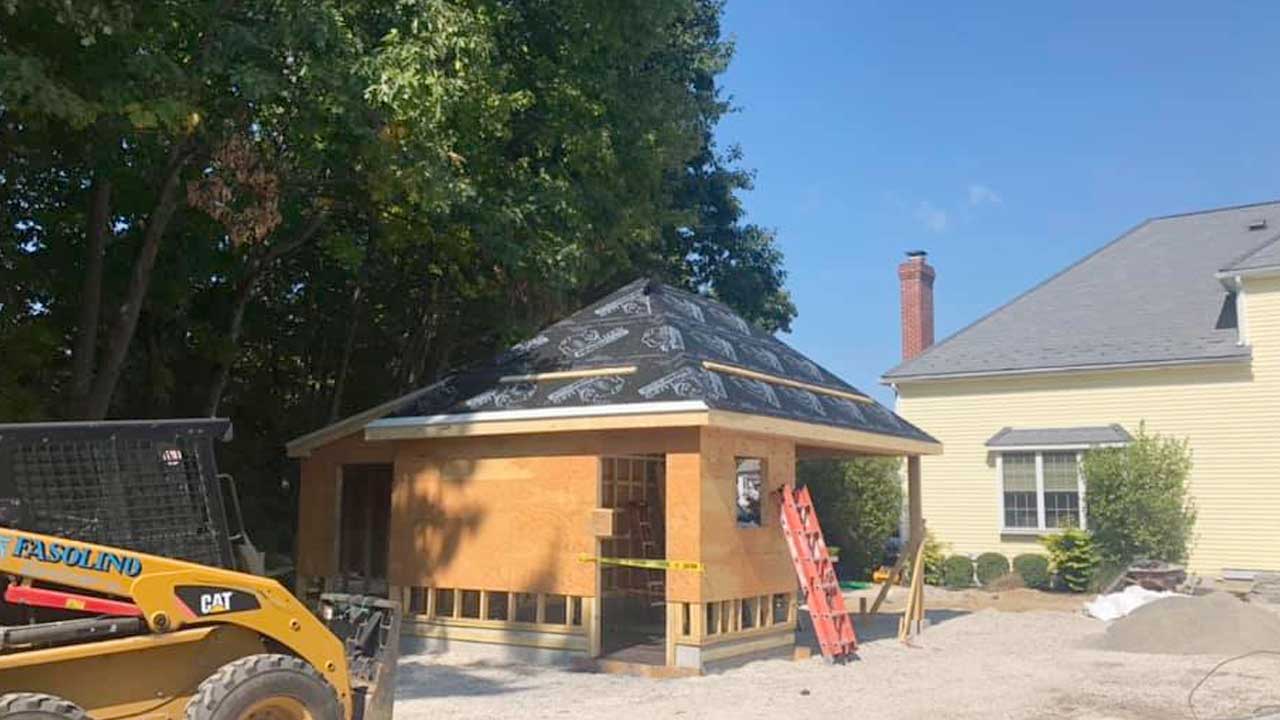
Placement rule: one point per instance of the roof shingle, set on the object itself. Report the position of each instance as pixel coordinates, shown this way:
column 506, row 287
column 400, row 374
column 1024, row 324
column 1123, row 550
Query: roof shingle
column 1148, row 297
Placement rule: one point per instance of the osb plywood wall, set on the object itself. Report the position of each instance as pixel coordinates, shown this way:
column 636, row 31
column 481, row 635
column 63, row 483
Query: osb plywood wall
column 499, row 513
column 318, row 498
column 740, row 561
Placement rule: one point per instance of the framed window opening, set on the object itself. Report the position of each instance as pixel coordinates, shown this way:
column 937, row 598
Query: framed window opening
column 1040, row 490
column 749, row 492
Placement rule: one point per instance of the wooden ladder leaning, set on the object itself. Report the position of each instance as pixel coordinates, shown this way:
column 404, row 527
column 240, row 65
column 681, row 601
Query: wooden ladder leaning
column 641, row 525
column 817, row 576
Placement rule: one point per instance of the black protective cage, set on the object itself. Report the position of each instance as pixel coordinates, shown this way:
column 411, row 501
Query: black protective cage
column 146, row 485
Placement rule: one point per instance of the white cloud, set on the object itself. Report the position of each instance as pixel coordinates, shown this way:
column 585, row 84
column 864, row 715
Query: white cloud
column 933, row 218
column 980, row 194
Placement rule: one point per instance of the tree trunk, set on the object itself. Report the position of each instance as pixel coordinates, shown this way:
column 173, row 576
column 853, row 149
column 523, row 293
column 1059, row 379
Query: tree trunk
column 244, row 293
column 126, row 323
column 86, row 346
column 340, row 383
column 222, row 371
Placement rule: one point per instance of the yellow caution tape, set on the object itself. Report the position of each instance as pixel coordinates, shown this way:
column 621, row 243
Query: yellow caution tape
column 646, row 563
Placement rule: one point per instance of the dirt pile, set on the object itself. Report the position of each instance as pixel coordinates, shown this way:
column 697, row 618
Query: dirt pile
column 1216, row 624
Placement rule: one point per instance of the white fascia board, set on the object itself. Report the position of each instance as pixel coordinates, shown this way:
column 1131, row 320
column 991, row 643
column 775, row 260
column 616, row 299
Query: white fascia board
column 652, row 408
column 896, row 380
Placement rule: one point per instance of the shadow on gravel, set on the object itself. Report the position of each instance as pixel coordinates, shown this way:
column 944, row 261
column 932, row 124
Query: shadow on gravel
column 870, row 628
column 416, row 681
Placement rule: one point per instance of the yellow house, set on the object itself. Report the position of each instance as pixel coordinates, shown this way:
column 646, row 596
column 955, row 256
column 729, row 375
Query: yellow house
column 1176, row 324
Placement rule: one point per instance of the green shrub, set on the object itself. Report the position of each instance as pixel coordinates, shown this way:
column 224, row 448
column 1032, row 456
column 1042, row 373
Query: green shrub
column 859, row 503
column 935, row 553
column 991, row 566
column 1073, row 557
column 1137, row 501
column 1033, row 568
column 957, row 572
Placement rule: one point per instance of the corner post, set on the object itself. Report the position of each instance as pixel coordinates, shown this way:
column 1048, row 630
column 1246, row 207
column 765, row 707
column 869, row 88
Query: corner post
column 915, row 502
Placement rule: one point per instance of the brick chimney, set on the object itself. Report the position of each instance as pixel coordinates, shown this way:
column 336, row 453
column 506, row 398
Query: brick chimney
column 916, row 277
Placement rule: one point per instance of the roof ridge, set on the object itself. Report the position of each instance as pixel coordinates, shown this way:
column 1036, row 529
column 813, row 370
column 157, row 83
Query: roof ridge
column 888, row 375
column 1208, row 211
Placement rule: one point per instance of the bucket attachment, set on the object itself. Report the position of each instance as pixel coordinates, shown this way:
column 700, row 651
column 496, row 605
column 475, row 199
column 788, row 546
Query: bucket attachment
column 369, row 627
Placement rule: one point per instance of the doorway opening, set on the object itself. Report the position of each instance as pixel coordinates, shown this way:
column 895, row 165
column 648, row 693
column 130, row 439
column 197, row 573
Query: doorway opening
column 364, row 519
column 634, row 599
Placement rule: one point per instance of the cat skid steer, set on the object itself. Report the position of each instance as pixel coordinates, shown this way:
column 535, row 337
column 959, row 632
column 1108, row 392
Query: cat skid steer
column 107, row 631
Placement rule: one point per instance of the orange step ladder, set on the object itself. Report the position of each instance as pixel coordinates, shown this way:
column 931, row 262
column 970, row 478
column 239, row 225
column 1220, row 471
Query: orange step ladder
column 817, row 575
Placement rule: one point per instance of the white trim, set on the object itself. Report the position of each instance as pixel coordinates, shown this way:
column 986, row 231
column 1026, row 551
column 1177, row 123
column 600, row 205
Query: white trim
column 1261, row 271
column 1084, row 521
column 1242, row 317
column 1041, row 526
column 895, row 380
column 677, row 406
column 1040, row 490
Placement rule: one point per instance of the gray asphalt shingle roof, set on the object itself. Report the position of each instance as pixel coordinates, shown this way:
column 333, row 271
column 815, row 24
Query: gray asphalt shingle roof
column 1268, row 255
column 1049, row 437
column 1150, row 296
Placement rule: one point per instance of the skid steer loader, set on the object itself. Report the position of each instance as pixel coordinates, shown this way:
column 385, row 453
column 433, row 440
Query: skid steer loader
column 119, row 597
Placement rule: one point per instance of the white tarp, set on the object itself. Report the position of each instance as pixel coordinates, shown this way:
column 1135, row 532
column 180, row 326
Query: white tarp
column 1118, row 604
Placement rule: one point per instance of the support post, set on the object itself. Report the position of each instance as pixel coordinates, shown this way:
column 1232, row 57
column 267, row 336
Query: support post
column 915, row 503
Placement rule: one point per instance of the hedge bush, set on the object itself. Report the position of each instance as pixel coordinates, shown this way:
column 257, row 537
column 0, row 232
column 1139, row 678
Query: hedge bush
column 1033, row 568
column 1072, row 557
column 957, row 572
column 991, row 566
column 1138, row 501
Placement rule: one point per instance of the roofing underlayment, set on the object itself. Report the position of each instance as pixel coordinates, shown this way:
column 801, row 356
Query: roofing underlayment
column 647, row 345
column 1151, row 296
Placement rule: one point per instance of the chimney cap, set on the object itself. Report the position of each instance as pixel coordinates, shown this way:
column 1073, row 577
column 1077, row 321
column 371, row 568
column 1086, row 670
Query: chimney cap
column 917, row 253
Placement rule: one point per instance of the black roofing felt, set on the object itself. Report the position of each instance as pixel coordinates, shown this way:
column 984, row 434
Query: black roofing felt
column 666, row 334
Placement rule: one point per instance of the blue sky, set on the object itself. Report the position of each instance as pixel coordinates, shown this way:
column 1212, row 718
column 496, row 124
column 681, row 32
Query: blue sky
column 1007, row 140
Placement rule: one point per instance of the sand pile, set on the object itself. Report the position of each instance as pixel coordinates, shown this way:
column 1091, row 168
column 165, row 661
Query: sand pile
column 1216, row 624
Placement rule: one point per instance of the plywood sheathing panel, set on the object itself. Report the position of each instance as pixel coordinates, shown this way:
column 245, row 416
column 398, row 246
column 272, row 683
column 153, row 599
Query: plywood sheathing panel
column 743, row 562
column 506, row 513
column 683, row 500
column 318, row 500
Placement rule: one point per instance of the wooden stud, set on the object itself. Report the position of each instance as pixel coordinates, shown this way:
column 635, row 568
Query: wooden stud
column 776, row 380
column 569, row 374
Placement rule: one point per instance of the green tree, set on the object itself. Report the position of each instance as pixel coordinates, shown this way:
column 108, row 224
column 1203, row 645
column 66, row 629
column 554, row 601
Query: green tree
column 859, row 503
column 285, row 211
column 1137, row 499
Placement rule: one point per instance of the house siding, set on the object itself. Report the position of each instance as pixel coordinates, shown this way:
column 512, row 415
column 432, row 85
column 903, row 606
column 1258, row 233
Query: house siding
column 1230, row 414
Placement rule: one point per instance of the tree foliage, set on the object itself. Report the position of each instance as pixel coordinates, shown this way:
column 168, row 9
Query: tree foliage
column 859, row 503
column 287, row 211
column 1137, row 499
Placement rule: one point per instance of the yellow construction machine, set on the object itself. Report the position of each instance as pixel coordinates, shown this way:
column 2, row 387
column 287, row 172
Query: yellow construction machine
column 104, row 631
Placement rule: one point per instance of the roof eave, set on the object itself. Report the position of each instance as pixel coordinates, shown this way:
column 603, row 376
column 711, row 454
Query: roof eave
column 1231, row 277
column 1242, row 357
column 630, row 416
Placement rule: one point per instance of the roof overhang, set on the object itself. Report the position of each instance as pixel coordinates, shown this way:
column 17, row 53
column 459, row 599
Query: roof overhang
column 1233, row 279
column 630, row 416
column 1242, row 357
column 1010, row 439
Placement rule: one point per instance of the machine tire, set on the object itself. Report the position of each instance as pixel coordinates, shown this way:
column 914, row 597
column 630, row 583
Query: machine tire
column 38, row 706
column 251, row 682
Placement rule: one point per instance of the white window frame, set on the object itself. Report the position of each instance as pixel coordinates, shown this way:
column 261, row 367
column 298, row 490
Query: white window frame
column 1039, row 452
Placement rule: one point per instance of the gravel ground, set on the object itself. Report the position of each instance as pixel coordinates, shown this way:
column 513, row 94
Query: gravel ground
column 969, row 664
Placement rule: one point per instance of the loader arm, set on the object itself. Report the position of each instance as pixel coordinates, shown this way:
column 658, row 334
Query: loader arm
column 171, row 597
